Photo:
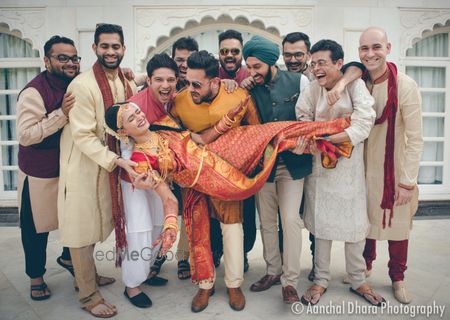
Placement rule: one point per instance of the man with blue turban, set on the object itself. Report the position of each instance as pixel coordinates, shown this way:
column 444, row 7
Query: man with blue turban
column 275, row 94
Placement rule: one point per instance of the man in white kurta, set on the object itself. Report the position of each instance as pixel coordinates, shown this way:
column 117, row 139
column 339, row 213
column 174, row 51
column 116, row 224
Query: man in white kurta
column 406, row 152
column 335, row 204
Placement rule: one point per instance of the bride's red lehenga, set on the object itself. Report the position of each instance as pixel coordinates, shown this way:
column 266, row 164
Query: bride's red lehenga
column 223, row 169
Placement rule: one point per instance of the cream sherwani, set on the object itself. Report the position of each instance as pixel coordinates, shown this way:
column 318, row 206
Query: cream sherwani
column 84, row 198
column 335, row 203
column 407, row 153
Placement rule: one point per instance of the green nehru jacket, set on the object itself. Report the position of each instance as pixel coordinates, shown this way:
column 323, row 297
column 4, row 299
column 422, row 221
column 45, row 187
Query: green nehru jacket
column 276, row 102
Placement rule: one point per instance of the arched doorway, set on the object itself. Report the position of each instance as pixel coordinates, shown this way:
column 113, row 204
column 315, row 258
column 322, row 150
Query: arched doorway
column 157, row 27
column 207, row 37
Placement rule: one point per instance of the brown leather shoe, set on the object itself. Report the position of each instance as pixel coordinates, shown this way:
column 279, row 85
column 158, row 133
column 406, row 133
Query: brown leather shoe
column 237, row 299
column 265, row 283
column 200, row 300
column 290, row 295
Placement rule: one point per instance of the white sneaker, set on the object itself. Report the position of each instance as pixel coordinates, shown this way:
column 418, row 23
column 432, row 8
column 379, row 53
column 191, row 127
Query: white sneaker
column 346, row 279
column 400, row 292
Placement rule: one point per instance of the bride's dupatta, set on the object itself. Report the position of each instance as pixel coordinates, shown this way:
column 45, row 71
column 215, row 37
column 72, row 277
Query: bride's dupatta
column 222, row 170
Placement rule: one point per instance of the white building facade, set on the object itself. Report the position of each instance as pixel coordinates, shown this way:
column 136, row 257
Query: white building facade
column 418, row 30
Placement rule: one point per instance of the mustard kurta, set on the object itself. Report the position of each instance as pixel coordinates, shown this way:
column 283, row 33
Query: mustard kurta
column 198, row 117
column 84, row 198
column 407, row 153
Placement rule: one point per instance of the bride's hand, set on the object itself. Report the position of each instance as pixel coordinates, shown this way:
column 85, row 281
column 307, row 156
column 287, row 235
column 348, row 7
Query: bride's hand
column 168, row 238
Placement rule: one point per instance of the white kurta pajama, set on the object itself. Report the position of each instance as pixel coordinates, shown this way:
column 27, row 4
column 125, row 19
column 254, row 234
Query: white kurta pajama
column 335, row 202
column 144, row 218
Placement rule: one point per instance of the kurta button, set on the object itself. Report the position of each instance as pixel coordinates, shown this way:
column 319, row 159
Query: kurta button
column 274, row 104
column 275, row 119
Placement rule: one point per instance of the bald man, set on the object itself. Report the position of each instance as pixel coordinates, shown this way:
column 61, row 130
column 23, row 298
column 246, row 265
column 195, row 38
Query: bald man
column 391, row 183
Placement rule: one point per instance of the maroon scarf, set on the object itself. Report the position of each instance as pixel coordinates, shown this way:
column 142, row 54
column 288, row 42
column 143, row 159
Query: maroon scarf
column 114, row 181
column 389, row 115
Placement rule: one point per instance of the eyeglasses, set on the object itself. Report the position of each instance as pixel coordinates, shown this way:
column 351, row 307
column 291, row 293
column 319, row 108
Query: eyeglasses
column 298, row 55
column 115, row 26
column 320, row 64
column 226, row 51
column 64, row 58
column 196, row 84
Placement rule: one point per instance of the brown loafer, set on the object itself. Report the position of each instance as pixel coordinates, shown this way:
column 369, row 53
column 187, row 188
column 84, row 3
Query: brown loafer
column 290, row 295
column 265, row 283
column 200, row 300
column 237, row 299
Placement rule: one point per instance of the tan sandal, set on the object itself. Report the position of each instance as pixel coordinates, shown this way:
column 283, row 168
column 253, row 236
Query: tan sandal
column 311, row 293
column 89, row 308
column 101, row 281
column 366, row 292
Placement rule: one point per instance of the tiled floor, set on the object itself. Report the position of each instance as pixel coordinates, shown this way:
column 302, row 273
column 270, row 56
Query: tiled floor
column 428, row 278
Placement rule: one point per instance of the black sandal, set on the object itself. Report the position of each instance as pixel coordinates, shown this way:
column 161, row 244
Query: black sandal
column 183, row 267
column 39, row 287
column 156, row 267
column 66, row 266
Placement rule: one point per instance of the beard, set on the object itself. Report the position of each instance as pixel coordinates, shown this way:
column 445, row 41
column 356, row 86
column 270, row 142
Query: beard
column 110, row 65
column 206, row 98
column 63, row 75
column 296, row 65
column 268, row 76
column 232, row 72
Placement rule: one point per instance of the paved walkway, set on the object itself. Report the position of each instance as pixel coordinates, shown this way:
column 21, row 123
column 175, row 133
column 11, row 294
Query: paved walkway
column 428, row 278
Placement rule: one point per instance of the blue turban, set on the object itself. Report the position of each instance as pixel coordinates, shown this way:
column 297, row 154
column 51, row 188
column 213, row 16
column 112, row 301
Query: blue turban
column 263, row 49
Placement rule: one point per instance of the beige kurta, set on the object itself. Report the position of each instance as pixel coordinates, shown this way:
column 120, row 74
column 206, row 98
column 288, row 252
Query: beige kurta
column 84, row 198
column 408, row 150
column 335, row 199
column 33, row 126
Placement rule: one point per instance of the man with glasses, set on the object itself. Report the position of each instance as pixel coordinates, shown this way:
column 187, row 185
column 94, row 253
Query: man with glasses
column 42, row 109
column 199, row 108
column 296, row 54
column 230, row 56
column 335, row 202
column 231, row 68
column 88, row 195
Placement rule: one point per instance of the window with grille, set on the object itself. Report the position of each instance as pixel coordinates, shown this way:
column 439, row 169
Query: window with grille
column 19, row 63
column 428, row 63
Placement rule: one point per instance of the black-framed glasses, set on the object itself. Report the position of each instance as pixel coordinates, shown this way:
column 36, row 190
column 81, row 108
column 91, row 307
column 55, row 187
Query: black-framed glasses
column 65, row 58
column 226, row 51
column 297, row 55
column 116, row 26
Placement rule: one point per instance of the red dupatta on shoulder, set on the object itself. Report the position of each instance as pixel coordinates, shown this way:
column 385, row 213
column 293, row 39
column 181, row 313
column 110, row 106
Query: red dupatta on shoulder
column 113, row 145
column 389, row 114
